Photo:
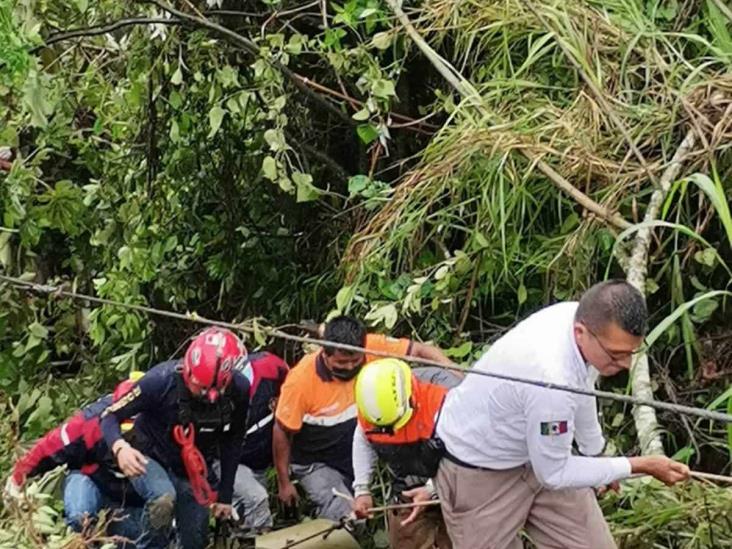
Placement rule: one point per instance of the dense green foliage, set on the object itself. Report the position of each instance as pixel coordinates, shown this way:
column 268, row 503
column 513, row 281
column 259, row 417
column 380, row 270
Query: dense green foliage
column 281, row 160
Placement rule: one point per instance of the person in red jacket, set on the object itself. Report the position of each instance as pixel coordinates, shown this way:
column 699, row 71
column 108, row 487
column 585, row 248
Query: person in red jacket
column 93, row 482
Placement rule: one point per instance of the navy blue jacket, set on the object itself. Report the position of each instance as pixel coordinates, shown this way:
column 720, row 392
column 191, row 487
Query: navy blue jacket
column 161, row 401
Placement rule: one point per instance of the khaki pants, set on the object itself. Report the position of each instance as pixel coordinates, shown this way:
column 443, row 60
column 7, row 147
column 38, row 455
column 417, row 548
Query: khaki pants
column 487, row 509
column 427, row 532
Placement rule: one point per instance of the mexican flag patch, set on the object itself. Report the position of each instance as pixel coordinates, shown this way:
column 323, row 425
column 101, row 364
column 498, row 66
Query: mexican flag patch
column 552, row 428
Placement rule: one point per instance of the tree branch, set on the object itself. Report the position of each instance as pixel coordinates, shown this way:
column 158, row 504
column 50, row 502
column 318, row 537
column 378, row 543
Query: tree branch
column 96, row 30
column 250, row 47
column 466, row 89
column 646, row 424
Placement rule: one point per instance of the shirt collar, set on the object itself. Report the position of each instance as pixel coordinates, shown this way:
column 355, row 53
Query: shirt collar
column 579, row 365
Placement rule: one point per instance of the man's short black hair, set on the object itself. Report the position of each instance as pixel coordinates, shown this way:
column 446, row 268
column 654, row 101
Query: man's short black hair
column 613, row 301
column 344, row 329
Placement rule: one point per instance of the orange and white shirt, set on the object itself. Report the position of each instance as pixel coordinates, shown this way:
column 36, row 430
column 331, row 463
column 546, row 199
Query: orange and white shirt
column 321, row 409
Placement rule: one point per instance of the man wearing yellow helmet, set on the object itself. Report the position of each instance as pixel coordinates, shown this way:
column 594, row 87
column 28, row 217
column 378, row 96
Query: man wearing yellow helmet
column 398, row 409
column 316, row 414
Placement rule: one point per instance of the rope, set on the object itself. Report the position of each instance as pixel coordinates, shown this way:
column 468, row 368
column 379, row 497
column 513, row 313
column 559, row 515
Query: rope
column 273, row 332
column 194, row 464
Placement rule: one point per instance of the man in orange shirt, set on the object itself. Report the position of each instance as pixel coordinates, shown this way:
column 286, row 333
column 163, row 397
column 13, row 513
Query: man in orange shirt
column 316, row 415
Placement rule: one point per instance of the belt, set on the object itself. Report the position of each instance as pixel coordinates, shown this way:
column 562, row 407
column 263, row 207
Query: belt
column 461, row 463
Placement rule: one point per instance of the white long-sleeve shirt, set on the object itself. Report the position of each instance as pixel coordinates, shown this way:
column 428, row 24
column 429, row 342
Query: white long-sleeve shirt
column 498, row 424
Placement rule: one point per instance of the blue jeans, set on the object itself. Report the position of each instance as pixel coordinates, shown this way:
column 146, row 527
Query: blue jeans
column 83, row 501
column 166, row 496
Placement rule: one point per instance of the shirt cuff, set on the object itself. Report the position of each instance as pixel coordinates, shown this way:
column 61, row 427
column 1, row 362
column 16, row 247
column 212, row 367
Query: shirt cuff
column 620, row 468
column 361, row 490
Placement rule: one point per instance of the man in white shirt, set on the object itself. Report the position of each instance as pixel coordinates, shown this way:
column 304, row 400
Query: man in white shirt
column 509, row 461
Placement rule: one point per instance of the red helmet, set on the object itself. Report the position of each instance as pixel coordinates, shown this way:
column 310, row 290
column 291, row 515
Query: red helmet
column 210, row 362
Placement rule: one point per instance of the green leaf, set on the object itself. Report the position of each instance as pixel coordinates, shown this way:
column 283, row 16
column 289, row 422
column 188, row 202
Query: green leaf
column 343, row 297
column 174, row 131
column 480, row 240
column 42, row 411
column 34, row 99
column 285, row 184
column 706, row 257
column 275, row 139
column 177, row 77
column 358, row 183
column 718, row 27
column 702, row 311
column 82, row 5
column 522, row 294
column 385, row 313
column 383, row 88
column 361, row 115
column 269, row 168
column 461, row 351
column 715, row 193
column 664, row 325
column 368, row 12
column 124, row 254
column 684, row 454
column 382, row 40
column 306, row 191
column 228, row 76
column 215, row 117
column 367, row 133
column 175, row 99
column 38, row 330
column 232, row 105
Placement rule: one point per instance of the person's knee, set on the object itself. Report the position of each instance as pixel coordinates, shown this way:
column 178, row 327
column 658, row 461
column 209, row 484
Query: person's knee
column 161, row 510
column 81, row 501
column 336, row 509
column 261, row 516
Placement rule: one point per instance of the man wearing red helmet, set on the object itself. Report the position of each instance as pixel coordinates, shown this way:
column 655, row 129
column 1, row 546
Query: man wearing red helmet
column 187, row 416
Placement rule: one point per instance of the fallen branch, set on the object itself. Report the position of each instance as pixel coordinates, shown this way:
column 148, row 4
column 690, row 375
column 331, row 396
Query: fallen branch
column 646, row 423
column 471, row 95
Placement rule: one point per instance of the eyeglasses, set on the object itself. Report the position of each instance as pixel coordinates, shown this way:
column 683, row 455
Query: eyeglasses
column 618, row 357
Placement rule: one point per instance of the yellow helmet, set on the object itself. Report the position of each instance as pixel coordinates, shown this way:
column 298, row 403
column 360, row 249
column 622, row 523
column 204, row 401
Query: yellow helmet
column 383, row 393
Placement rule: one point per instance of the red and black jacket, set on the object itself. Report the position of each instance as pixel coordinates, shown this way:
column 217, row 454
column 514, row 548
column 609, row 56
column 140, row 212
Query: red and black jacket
column 266, row 373
column 78, row 443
